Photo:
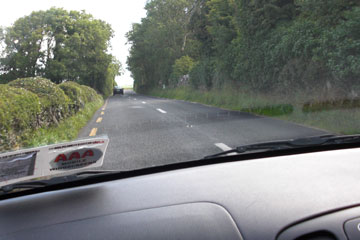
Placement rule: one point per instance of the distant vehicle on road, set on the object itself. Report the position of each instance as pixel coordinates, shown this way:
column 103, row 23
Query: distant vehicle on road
column 118, row 90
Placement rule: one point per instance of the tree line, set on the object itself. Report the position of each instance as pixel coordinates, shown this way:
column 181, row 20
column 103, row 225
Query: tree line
column 61, row 46
column 262, row 45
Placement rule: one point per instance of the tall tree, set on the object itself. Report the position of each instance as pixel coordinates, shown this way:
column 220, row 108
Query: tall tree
column 160, row 39
column 259, row 44
column 60, row 45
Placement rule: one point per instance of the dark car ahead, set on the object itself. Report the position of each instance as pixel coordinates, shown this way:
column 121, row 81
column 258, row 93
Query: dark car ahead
column 118, row 90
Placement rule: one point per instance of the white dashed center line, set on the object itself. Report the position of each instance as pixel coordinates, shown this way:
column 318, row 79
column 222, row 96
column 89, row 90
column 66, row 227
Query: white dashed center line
column 143, row 102
column 160, row 110
column 224, row 147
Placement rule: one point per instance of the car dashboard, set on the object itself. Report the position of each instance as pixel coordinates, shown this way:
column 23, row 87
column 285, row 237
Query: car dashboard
column 303, row 196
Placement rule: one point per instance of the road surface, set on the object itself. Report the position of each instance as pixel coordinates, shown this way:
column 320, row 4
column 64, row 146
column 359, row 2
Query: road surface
column 147, row 131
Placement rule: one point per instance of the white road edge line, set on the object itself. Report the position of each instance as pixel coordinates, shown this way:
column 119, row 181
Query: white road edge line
column 160, row 110
column 224, row 147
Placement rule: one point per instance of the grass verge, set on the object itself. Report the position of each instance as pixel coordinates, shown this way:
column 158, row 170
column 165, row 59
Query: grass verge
column 66, row 130
column 338, row 121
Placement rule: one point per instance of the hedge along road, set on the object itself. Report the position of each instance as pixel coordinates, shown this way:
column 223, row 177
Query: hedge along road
column 146, row 131
column 53, row 112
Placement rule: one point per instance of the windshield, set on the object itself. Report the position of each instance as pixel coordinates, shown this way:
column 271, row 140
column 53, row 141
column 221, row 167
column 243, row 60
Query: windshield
column 171, row 81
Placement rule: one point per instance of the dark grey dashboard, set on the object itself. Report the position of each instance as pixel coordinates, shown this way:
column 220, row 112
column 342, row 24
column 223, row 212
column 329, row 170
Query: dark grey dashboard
column 273, row 198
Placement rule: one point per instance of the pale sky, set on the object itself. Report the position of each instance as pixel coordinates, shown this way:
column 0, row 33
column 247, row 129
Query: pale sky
column 120, row 14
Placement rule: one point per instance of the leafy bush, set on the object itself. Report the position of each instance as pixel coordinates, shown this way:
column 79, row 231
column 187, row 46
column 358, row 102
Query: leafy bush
column 75, row 92
column 182, row 67
column 67, row 129
column 35, row 110
column 19, row 110
column 342, row 52
column 54, row 102
column 90, row 94
column 201, row 74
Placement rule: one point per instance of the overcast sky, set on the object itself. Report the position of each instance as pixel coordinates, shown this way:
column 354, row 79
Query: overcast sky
column 119, row 13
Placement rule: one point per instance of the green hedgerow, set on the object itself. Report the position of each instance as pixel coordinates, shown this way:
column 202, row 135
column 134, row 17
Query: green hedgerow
column 54, row 102
column 19, row 110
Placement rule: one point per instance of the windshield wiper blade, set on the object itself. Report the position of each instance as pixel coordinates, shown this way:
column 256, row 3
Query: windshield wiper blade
column 290, row 144
column 53, row 181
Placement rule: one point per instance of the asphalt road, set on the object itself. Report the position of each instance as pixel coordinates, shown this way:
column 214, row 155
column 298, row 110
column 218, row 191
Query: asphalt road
column 146, row 131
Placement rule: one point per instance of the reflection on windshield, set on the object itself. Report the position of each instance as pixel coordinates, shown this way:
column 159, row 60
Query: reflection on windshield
column 207, row 76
